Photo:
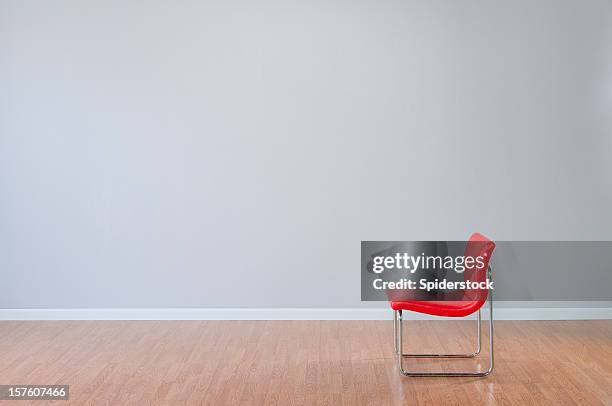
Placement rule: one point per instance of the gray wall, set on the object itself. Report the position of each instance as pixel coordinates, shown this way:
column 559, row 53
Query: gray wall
column 234, row 153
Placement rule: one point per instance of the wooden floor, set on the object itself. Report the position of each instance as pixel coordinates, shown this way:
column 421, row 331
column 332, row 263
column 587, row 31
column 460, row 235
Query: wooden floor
column 304, row 362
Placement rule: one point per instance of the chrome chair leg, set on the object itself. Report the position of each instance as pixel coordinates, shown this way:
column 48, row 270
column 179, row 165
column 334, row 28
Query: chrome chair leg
column 398, row 339
column 469, row 355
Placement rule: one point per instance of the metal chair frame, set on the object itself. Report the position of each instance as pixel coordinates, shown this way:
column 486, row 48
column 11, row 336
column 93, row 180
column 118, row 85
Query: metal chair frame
column 398, row 341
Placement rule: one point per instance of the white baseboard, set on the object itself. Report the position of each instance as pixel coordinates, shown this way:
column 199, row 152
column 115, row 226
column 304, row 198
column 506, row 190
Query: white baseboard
column 565, row 313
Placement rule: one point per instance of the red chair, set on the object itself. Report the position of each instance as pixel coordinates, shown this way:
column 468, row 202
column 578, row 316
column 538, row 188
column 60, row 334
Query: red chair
column 471, row 301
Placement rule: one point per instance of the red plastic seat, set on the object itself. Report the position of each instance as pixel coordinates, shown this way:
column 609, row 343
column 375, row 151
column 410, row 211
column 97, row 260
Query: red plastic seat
column 471, row 300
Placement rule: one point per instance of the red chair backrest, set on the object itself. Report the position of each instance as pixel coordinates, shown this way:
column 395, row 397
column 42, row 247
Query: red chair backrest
column 477, row 246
